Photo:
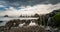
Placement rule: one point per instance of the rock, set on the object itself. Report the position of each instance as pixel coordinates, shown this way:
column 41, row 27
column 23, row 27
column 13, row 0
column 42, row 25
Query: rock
column 6, row 16
column 28, row 29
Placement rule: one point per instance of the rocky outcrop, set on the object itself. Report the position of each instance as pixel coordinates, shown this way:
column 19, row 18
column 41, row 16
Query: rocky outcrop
column 1, row 21
column 5, row 15
column 28, row 29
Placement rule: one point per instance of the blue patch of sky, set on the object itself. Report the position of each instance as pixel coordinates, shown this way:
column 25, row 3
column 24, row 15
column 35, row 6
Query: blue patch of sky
column 7, row 6
column 3, row 8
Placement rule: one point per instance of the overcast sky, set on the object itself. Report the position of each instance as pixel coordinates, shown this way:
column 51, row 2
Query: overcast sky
column 17, row 7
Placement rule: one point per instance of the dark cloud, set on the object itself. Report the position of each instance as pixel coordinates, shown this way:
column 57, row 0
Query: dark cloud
column 54, row 1
column 24, row 0
column 39, row 1
column 17, row 3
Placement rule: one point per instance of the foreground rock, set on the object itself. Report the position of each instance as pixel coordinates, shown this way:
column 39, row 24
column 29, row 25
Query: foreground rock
column 27, row 29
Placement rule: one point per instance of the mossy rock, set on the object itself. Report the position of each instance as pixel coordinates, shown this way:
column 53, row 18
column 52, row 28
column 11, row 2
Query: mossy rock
column 57, row 18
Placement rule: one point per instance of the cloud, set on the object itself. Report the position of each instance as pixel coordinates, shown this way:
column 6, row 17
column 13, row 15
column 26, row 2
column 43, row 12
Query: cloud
column 54, row 1
column 28, row 10
column 17, row 3
column 3, row 5
column 29, row 7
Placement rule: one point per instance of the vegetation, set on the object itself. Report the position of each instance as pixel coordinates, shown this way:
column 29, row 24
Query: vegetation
column 57, row 19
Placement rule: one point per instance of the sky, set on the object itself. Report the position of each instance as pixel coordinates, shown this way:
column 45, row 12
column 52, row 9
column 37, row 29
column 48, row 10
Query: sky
column 27, row 7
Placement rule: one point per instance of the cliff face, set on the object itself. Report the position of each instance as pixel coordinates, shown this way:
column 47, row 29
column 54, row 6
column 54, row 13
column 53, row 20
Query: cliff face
column 51, row 22
column 53, row 13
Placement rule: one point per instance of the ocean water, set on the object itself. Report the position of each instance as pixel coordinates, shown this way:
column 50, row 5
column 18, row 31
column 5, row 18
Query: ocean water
column 6, row 19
